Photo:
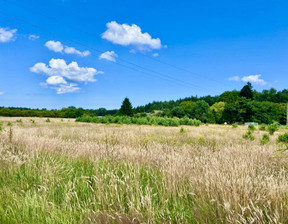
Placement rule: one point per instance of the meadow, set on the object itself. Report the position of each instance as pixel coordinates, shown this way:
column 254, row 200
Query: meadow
column 62, row 171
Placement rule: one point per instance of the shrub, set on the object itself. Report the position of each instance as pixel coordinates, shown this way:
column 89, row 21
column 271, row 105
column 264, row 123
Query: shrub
column 164, row 121
column 251, row 127
column 19, row 121
column 272, row 128
column 9, row 123
column 234, row 125
column 1, row 125
column 182, row 130
column 265, row 139
column 262, row 127
column 248, row 135
column 283, row 140
column 47, row 120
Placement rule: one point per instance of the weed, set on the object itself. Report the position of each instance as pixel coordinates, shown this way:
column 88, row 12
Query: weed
column 272, row 128
column 251, row 127
column 234, row 125
column 182, row 130
column 265, row 139
column 249, row 135
column 263, row 127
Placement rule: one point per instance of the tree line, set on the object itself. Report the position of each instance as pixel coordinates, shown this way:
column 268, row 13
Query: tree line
column 231, row 106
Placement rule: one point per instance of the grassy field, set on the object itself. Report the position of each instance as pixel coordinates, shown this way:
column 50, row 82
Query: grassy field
column 67, row 172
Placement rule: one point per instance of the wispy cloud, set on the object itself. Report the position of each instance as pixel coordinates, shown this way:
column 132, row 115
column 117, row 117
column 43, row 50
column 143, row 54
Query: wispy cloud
column 7, row 35
column 1, row 93
column 109, row 55
column 33, row 37
column 234, row 78
column 126, row 35
column 61, row 75
column 251, row 78
column 58, row 47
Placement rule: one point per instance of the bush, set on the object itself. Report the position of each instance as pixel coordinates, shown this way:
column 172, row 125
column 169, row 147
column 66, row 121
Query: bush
column 265, row 139
column 272, row 128
column 164, row 121
column 248, row 135
column 234, row 125
column 251, row 127
column 182, row 130
column 262, row 127
column 1, row 125
column 283, row 140
column 9, row 123
column 47, row 120
column 19, row 121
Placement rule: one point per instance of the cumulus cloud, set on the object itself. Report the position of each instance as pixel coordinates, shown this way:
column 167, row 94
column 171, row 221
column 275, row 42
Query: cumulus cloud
column 72, row 50
column 7, row 35
column 67, row 88
column 254, row 79
column 58, row 47
column 72, row 71
column 55, row 46
column 109, row 55
column 251, row 78
column 61, row 75
column 33, row 37
column 126, row 35
column 55, row 80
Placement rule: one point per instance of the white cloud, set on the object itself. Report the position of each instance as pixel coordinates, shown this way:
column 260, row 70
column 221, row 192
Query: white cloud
column 62, row 74
column 254, row 79
column 1, row 93
column 126, row 35
column 55, row 46
column 72, row 50
column 155, row 55
column 33, row 37
column 7, row 35
column 234, row 78
column 66, row 88
column 58, row 67
column 109, row 55
column 251, row 78
column 56, row 80
column 58, row 47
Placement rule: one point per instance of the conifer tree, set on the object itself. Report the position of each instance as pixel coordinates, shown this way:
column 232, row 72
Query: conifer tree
column 126, row 108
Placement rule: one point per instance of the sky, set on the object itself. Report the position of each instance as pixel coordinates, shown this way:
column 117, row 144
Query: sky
column 92, row 54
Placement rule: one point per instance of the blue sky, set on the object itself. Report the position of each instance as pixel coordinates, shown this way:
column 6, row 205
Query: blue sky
column 93, row 54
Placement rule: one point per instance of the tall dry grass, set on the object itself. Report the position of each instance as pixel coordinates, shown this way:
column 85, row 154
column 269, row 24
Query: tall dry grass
column 67, row 172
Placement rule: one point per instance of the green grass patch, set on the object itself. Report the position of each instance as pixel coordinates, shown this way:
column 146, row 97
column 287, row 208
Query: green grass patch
column 54, row 188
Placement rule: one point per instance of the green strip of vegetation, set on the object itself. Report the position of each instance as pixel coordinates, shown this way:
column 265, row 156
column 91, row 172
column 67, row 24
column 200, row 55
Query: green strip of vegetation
column 54, row 188
column 154, row 120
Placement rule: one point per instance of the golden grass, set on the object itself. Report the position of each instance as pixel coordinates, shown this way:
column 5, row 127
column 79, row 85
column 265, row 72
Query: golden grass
column 229, row 179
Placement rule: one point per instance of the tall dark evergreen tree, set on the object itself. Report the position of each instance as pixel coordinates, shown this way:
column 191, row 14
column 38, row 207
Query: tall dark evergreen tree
column 126, row 108
column 247, row 91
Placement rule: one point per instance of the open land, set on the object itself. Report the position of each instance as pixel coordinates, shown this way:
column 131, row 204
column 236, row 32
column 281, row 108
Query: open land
column 62, row 171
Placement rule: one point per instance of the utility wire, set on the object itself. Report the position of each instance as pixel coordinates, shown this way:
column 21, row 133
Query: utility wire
column 89, row 34
column 159, row 75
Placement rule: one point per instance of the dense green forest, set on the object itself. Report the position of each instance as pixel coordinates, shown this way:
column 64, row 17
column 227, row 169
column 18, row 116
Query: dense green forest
column 231, row 106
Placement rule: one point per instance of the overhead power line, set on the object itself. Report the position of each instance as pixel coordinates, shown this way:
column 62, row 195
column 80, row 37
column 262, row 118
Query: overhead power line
column 158, row 74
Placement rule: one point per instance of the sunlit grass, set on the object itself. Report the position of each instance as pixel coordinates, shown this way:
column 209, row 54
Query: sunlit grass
column 67, row 172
